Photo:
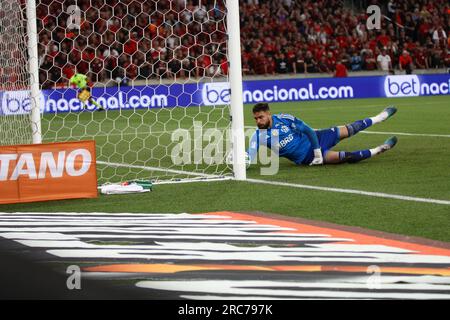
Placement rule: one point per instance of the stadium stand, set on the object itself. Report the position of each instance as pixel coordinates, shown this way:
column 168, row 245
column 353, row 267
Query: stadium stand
column 278, row 37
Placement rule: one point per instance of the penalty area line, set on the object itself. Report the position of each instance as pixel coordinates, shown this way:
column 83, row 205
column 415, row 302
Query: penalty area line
column 351, row 191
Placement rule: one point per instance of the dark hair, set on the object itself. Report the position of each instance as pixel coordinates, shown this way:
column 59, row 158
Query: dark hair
column 261, row 106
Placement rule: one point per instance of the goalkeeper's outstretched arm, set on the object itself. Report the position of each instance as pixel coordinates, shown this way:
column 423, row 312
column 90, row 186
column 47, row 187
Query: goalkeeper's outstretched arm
column 302, row 127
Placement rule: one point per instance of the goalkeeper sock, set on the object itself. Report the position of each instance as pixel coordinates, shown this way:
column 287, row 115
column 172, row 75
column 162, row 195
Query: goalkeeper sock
column 356, row 156
column 357, row 126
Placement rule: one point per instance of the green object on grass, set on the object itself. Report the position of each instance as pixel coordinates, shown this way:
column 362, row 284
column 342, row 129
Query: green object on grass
column 146, row 184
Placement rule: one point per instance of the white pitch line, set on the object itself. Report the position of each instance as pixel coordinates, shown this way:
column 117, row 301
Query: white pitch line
column 351, row 191
column 395, row 133
column 284, row 184
column 123, row 165
column 408, row 134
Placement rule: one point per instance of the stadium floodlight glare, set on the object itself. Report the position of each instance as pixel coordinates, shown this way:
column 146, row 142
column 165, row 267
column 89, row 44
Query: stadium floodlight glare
column 150, row 65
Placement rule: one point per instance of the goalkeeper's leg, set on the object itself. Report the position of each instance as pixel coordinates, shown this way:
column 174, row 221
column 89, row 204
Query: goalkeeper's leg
column 95, row 103
column 83, row 104
column 360, row 125
column 336, row 157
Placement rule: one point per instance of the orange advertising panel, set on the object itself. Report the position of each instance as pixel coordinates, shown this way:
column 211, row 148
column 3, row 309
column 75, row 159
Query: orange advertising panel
column 48, row 171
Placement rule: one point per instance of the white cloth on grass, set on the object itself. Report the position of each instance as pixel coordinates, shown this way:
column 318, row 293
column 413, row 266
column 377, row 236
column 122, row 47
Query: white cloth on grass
column 121, row 189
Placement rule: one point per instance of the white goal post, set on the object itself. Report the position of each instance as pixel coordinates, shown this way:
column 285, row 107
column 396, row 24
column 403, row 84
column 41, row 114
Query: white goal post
column 33, row 61
column 164, row 76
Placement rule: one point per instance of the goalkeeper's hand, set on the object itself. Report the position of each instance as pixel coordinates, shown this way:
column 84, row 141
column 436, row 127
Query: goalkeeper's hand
column 318, row 159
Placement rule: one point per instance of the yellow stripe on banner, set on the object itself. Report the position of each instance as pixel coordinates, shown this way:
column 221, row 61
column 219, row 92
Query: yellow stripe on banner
column 171, row 268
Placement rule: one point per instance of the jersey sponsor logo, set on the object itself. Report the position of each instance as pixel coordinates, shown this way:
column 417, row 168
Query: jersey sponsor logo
column 47, row 171
column 286, row 140
column 284, row 129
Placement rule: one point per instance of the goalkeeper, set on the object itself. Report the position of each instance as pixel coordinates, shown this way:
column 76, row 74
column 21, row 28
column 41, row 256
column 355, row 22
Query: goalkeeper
column 84, row 93
column 303, row 145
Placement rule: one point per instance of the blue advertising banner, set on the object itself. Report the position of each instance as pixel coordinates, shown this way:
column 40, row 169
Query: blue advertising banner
column 218, row 93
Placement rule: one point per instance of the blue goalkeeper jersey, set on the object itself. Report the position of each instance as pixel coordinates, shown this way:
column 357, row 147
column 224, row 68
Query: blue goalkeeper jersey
column 293, row 138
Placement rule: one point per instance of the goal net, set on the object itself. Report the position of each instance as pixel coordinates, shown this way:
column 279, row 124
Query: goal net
column 158, row 96
column 15, row 122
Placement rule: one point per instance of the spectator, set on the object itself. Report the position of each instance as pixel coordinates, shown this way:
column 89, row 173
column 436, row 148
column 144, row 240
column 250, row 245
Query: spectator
column 331, row 61
column 436, row 57
column 323, row 66
column 356, row 62
column 310, row 63
column 405, row 62
column 341, row 70
column 384, row 61
column 439, row 36
column 383, row 39
column 420, row 59
column 298, row 65
column 447, row 59
column 281, row 63
column 369, row 61
column 410, row 27
column 270, row 66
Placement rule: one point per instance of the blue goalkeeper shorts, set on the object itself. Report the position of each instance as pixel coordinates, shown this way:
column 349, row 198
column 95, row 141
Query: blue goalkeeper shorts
column 328, row 138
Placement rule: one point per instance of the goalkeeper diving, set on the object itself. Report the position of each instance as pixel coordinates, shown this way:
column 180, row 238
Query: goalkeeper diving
column 84, row 91
column 304, row 146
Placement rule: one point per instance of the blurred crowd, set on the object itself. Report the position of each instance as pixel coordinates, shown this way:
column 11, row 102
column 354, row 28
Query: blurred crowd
column 130, row 39
column 306, row 36
column 140, row 39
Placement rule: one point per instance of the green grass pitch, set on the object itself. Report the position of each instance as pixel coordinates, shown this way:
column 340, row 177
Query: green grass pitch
column 419, row 166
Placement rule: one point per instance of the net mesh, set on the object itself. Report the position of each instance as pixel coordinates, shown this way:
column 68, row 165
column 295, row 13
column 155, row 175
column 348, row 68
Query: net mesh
column 148, row 64
column 15, row 123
